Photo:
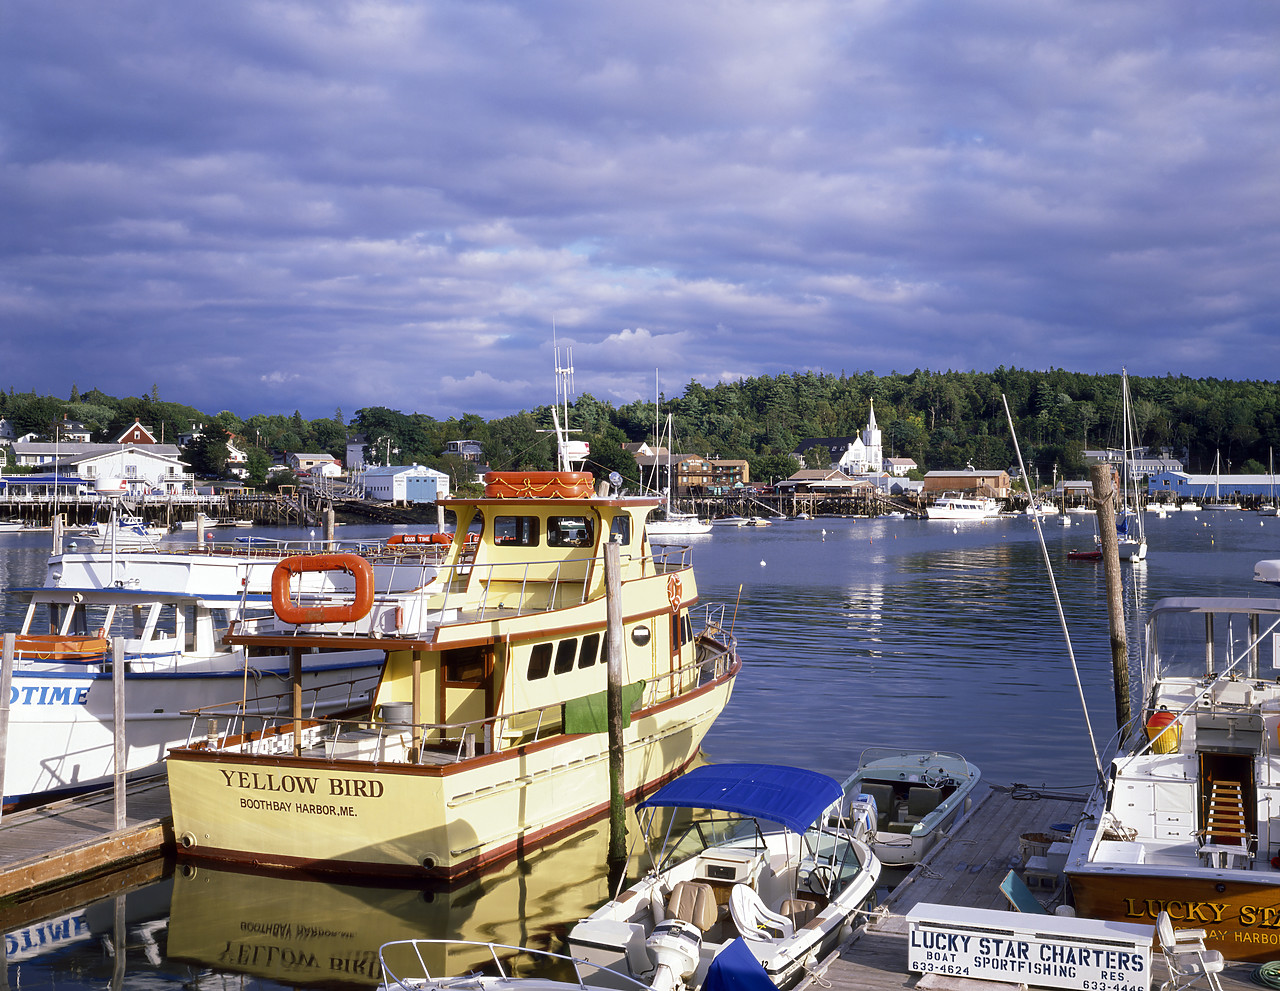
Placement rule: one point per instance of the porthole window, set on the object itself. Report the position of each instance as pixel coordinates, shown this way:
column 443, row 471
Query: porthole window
column 640, row 635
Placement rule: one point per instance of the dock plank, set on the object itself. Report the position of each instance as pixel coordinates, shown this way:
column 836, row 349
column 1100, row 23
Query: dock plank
column 965, row 869
column 69, row 841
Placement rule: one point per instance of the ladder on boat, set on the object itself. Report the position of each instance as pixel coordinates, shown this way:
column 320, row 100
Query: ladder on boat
column 1225, row 823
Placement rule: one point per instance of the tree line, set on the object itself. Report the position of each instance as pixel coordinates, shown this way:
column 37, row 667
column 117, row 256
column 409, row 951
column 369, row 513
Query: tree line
column 941, row 420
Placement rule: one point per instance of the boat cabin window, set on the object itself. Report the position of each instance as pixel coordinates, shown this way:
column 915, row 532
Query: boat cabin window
column 540, row 658
column 570, row 531
column 564, row 655
column 539, row 661
column 464, row 665
column 1196, row 645
column 620, row 529
column 518, row 531
column 681, row 631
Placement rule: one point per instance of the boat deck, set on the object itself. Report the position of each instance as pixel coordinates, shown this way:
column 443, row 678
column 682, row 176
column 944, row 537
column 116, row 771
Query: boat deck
column 965, row 869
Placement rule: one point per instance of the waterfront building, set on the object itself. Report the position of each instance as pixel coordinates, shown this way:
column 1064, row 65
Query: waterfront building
column 404, row 485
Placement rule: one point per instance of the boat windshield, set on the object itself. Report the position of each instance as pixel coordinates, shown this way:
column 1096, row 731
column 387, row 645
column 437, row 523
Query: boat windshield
column 1200, row 644
column 690, row 839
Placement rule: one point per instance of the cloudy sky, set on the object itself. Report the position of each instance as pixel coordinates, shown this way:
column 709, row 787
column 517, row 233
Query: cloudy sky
column 268, row 206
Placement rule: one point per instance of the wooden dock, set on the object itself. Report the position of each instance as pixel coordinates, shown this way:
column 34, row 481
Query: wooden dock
column 965, row 869
column 75, row 840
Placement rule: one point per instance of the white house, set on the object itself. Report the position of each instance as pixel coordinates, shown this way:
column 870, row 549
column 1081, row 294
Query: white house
column 405, row 484
column 237, row 460
column 325, row 469
column 146, row 468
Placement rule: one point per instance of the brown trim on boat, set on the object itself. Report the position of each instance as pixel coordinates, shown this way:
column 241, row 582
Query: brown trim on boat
column 458, row 872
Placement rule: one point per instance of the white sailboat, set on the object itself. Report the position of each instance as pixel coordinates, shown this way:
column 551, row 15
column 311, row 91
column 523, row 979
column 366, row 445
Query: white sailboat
column 673, row 523
column 1268, row 508
column 1129, row 527
column 1217, row 502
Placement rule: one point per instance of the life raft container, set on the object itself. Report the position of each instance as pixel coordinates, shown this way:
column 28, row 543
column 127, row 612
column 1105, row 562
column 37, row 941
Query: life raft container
column 287, row 611
column 59, row 648
column 420, row 538
column 539, row 485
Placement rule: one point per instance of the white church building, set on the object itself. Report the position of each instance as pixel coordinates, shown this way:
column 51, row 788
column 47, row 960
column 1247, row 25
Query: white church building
column 865, row 453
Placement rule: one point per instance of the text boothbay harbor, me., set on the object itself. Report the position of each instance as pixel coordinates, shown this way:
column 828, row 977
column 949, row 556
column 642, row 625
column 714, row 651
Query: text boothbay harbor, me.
column 302, row 784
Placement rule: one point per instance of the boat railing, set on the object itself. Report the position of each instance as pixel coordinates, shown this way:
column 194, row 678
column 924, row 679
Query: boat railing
column 218, row 724
column 503, row 962
column 261, row 731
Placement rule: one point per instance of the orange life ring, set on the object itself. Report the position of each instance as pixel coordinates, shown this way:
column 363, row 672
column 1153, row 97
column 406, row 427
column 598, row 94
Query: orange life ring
column 539, row 485
column 673, row 592
column 441, row 538
column 353, row 564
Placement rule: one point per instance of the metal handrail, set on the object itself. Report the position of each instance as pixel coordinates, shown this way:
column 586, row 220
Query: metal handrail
column 706, row 668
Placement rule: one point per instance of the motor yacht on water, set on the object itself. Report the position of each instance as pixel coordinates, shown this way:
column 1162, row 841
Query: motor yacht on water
column 1184, row 819
column 486, row 739
column 751, row 856
column 172, row 609
column 918, row 796
column 956, row 506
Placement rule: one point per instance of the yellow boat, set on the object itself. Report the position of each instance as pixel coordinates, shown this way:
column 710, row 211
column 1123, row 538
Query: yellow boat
column 487, row 734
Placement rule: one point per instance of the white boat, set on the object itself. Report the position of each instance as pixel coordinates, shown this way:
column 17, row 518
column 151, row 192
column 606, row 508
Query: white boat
column 672, row 522
column 1189, row 506
column 766, row 843
column 1041, row 509
column 424, row 965
column 122, row 532
column 61, row 720
column 1131, row 535
column 957, row 506
column 487, row 732
column 12, row 526
column 1216, row 504
column 730, row 521
column 1269, row 507
column 201, row 518
column 1183, row 817
column 918, row 796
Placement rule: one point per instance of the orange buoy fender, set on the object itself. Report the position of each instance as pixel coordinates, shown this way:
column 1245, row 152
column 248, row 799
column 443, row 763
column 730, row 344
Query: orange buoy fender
column 353, row 564
column 539, row 485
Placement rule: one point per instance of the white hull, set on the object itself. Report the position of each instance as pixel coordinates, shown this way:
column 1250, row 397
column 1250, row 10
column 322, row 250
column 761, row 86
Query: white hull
column 677, row 527
column 968, row 509
column 62, row 727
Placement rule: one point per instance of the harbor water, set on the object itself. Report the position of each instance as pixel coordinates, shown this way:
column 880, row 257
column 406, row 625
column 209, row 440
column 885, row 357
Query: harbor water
column 854, row 633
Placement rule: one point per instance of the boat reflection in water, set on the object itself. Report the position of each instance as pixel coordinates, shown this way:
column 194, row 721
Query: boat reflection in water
column 308, row 932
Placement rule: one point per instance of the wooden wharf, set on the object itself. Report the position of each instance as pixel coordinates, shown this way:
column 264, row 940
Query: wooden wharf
column 966, row 869
column 75, row 840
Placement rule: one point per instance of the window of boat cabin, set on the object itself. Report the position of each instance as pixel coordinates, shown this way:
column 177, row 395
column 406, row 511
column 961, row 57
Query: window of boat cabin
column 620, row 529
column 539, row 661
column 590, row 649
column 570, row 531
column 681, row 631
column 565, row 652
column 518, row 531
column 464, row 665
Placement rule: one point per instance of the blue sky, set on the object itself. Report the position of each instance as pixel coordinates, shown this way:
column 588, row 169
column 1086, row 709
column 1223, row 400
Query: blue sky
column 269, row 206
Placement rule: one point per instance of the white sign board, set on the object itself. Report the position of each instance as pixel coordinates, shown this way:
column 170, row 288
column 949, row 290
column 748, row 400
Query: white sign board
column 1044, row 950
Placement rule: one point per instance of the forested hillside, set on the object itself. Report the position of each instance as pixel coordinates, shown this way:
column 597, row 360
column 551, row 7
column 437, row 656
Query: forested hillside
column 942, row 420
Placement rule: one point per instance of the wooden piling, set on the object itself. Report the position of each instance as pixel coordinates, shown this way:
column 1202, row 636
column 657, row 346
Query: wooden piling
column 1103, row 495
column 617, row 856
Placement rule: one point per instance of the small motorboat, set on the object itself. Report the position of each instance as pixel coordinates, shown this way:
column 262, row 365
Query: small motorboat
column 1090, row 555
column 918, row 795
column 753, row 860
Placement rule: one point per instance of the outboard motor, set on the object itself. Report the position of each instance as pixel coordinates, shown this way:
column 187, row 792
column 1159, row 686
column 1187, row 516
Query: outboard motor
column 675, row 947
column 862, row 816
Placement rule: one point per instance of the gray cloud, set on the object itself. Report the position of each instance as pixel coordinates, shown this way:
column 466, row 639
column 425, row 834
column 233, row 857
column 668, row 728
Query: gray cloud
column 269, row 206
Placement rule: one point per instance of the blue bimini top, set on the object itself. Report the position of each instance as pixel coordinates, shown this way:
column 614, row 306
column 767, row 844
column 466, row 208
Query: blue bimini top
column 791, row 796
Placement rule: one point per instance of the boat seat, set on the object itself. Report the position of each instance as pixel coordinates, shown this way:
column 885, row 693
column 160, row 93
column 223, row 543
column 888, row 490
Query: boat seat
column 921, row 800
column 882, row 794
column 693, row 903
column 754, row 919
column 799, row 911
